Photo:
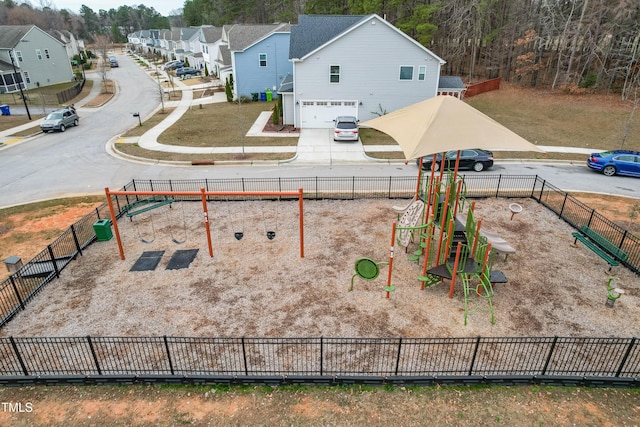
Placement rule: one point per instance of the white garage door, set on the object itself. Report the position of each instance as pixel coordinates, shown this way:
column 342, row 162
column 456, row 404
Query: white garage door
column 320, row 114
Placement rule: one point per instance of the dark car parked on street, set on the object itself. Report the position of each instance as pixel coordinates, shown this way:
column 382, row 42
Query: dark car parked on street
column 187, row 72
column 471, row 159
column 616, row 162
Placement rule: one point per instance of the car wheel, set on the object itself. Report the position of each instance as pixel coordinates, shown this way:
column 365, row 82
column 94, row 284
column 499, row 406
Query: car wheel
column 478, row 166
column 45, row 131
column 436, row 166
column 62, row 128
column 75, row 122
column 609, row 170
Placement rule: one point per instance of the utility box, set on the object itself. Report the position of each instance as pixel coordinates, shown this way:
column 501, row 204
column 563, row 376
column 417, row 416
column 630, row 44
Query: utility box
column 13, row 264
column 5, row 110
column 102, row 229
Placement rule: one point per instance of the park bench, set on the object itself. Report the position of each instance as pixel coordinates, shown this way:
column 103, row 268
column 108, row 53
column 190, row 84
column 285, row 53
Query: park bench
column 141, row 206
column 600, row 246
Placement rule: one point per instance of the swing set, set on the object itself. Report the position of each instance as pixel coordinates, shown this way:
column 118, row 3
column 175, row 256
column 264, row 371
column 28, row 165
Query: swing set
column 203, row 194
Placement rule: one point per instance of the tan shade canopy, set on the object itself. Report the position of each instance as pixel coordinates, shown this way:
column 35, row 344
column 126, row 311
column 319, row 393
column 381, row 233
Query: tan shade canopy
column 445, row 123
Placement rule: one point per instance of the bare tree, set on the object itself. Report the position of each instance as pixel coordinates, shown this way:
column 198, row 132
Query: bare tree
column 102, row 44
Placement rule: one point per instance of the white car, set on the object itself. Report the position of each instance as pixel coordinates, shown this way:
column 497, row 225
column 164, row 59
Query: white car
column 346, row 129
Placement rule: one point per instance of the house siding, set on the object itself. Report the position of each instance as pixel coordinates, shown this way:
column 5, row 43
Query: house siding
column 369, row 57
column 56, row 69
column 250, row 78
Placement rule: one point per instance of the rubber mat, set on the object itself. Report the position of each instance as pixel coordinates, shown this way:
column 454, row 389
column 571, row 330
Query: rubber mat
column 182, row 259
column 148, row 261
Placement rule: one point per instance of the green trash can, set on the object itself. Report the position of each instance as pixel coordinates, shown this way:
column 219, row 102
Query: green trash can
column 269, row 96
column 102, row 228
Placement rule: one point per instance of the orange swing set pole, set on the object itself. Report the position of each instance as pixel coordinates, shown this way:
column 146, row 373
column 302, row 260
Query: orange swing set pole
column 114, row 222
column 391, row 251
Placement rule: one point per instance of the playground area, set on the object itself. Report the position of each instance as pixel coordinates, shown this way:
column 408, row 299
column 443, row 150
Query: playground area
column 257, row 286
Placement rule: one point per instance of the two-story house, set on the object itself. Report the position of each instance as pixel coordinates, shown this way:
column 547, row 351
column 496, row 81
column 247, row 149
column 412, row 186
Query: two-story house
column 259, row 57
column 354, row 65
column 39, row 58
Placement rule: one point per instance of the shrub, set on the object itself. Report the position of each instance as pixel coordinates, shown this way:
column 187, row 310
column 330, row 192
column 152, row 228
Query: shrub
column 275, row 117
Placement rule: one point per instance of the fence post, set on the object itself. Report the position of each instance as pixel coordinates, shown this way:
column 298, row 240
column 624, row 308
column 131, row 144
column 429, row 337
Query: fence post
column 94, row 355
column 398, row 355
column 15, row 349
column 316, row 188
column 475, row 352
column 166, row 346
column 593, row 211
column 151, row 184
column 53, row 260
column 170, row 186
column 321, row 357
column 244, row 357
column 546, row 363
column 626, row 355
column 98, row 213
column 353, row 188
column 75, row 239
column 541, row 191
column 624, row 236
column 498, row 186
column 389, row 187
column 563, row 203
column 243, row 184
column 15, row 289
column 533, row 187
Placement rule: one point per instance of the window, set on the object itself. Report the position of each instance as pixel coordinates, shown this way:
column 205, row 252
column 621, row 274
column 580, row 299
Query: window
column 262, row 60
column 334, row 74
column 26, row 77
column 46, row 54
column 422, row 71
column 406, row 72
column 38, row 54
column 19, row 55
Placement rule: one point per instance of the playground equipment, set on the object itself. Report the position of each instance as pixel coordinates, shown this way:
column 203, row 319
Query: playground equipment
column 237, row 234
column 450, row 248
column 367, row 269
column 271, row 233
column 184, row 227
column 202, row 195
column 515, row 209
column 612, row 293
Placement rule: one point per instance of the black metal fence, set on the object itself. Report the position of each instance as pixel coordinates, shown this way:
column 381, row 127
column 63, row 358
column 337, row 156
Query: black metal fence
column 318, row 360
column 458, row 358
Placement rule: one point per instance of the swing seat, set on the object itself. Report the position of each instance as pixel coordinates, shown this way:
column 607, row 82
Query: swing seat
column 366, row 269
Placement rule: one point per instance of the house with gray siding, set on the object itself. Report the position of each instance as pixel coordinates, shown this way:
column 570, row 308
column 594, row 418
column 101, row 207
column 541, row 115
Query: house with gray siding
column 39, row 58
column 356, row 65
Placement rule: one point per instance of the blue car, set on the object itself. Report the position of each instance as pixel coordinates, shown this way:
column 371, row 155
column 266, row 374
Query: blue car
column 616, row 162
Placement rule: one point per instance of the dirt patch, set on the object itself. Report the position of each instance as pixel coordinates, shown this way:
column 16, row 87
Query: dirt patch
column 107, row 92
column 170, row 406
column 271, row 127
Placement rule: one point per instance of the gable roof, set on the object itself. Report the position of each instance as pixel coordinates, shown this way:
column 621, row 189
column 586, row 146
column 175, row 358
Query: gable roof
column 243, row 36
column 211, row 34
column 10, row 35
column 313, row 31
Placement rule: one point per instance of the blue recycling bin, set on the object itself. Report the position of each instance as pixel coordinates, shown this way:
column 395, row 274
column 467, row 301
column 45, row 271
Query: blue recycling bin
column 263, row 96
column 6, row 111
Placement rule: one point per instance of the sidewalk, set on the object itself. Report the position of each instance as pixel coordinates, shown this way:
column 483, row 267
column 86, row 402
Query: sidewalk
column 315, row 146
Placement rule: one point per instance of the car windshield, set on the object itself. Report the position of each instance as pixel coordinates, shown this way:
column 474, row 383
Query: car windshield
column 54, row 116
